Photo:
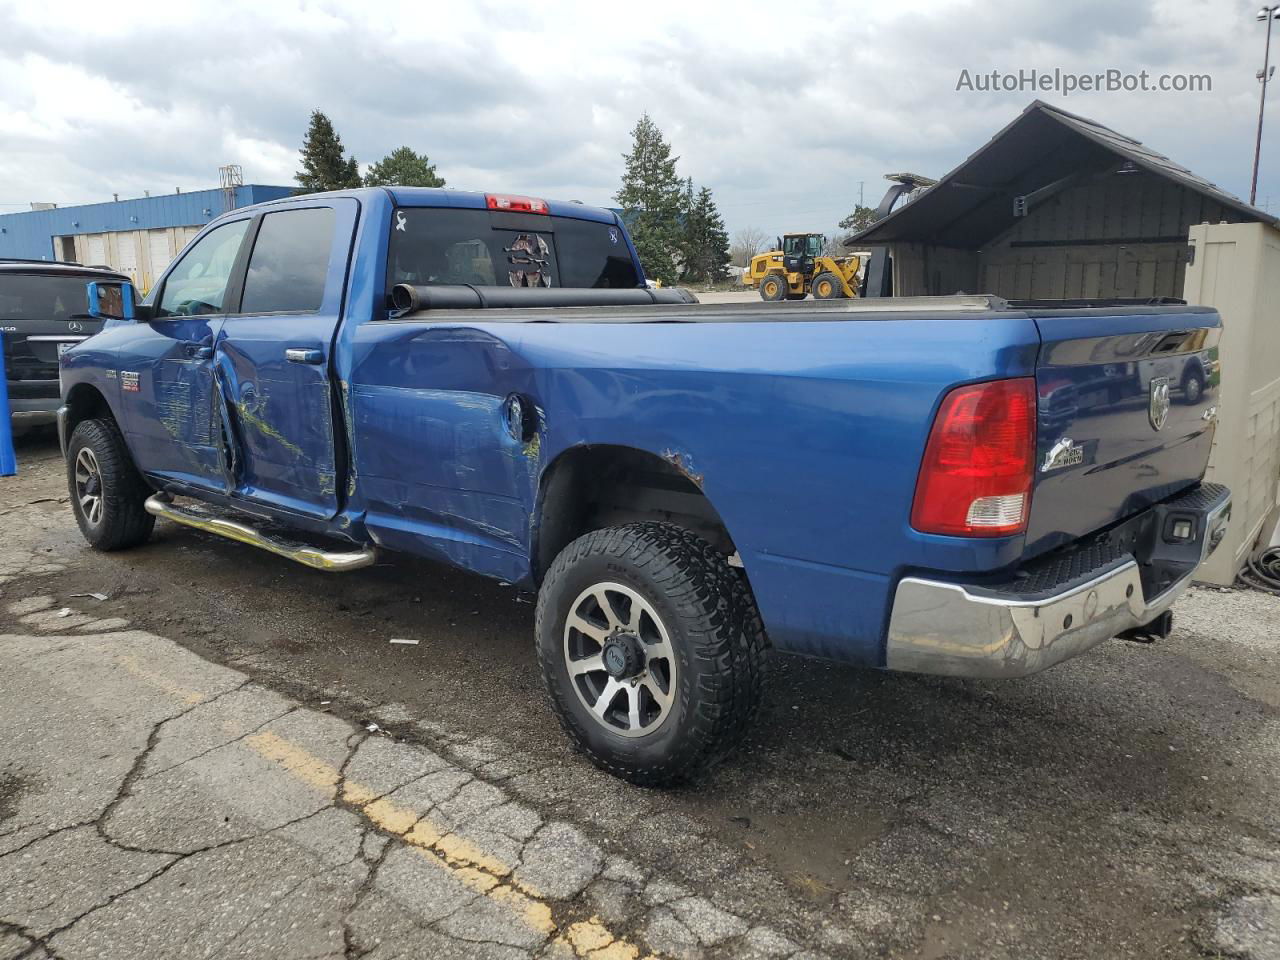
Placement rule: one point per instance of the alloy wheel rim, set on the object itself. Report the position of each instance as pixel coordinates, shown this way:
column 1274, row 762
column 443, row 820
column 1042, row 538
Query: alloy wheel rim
column 620, row 660
column 89, row 486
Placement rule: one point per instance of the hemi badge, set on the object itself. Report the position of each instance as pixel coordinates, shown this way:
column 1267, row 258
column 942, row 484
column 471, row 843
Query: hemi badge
column 1064, row 453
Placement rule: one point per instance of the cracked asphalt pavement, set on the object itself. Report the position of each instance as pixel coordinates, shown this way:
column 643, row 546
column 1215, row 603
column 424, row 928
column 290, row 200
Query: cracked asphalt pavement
column 228, row 758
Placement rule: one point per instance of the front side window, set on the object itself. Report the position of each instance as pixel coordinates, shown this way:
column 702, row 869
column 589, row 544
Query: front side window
column 289, row 263
column 198, row 284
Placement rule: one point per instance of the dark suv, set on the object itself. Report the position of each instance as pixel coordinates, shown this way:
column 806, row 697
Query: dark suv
column 43, row 311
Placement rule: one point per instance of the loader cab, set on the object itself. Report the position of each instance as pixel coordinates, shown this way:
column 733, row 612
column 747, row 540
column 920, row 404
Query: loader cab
column 800, row 251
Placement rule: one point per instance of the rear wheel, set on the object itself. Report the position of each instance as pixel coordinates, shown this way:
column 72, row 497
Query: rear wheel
column 773, row 287
column 827, row 286
column 107, row 492
column 651, row 649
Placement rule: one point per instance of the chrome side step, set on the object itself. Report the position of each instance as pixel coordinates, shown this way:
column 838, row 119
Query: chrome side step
column 161, row 505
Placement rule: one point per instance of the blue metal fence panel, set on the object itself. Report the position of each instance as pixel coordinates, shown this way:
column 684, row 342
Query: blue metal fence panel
column 30, row 234
column 8, row 460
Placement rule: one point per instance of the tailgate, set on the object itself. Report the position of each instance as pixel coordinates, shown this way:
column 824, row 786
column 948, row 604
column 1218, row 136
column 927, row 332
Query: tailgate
column 1127, row 400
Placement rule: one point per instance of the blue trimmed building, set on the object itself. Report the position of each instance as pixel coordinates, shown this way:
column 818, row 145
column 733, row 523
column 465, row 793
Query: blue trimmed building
column 137, row 237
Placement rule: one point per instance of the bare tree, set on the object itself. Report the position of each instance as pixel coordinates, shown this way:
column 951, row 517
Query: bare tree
column 834, row 247
column 747, row 242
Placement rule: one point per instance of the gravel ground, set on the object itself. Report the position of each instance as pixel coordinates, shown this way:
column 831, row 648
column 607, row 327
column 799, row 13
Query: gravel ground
column 1120, row 805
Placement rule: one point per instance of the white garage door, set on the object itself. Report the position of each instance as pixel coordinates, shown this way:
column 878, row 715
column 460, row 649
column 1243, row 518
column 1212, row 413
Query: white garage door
column 97, row 243
column 127, row 255
column 161, row 254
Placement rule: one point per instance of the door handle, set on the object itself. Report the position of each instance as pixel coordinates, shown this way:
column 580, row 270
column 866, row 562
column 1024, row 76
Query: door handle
column 199, row 352
column 300, row 355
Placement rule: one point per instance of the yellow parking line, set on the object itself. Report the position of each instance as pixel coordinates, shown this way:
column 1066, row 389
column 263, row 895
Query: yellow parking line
column 471, row 865
column 177, row 691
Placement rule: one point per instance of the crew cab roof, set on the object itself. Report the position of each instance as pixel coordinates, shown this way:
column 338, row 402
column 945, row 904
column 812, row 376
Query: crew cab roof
column 445, row 197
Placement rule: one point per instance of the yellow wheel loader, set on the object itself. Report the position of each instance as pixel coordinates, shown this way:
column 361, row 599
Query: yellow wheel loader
column 798, row 268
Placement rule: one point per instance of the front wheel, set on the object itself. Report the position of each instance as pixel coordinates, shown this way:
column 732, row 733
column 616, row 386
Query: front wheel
column 107, row 492
column 827, row 286
column 773, row 287
column 652, row 651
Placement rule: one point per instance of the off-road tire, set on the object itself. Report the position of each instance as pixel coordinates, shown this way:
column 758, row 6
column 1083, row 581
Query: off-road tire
column 713, row 625
column 124, row 521
column 837, row 287
column 778, row 283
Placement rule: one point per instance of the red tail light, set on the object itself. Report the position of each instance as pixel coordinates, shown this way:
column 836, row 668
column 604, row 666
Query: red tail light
column 503, row 201
column 975, row 480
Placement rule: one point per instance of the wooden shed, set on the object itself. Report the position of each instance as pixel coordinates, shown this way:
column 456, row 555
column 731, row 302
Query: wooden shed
column 1054, row 206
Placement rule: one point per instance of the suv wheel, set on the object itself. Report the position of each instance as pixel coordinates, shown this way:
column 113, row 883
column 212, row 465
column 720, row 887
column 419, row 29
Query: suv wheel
column 107, row 492
column 651, row 649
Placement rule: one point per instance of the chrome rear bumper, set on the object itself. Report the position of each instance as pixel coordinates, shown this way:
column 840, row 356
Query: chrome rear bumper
column 965, row 631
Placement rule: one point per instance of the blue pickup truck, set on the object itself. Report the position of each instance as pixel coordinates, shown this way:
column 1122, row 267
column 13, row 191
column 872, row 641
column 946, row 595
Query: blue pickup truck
column 956, row 485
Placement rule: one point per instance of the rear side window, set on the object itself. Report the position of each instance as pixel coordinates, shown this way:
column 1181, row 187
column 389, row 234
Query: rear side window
column 289, row 263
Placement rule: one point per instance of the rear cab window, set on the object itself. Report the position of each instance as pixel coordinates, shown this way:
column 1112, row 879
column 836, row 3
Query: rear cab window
column 42, row 297
column 444, row 246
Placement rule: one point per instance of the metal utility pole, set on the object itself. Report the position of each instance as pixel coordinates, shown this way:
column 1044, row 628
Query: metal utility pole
column 1268, row 14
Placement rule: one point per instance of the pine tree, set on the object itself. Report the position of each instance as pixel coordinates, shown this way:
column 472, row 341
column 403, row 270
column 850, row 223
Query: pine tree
column 651, row 199
column 403, row 167
column 688, row 231
column 324, row 164
column 861, row 218
column 706, row 243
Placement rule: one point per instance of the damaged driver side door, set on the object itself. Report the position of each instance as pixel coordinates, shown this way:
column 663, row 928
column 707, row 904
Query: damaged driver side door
column 173, row 410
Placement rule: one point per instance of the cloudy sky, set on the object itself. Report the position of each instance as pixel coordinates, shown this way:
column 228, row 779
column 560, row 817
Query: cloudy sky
column 788, row 122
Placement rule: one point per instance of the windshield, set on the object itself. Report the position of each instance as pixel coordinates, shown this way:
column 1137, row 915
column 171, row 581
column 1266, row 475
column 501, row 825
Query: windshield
column 35, row 297
column 804, row 244
column 431, row 245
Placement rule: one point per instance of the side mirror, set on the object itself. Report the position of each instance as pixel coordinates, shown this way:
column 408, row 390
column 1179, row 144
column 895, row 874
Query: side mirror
column 113, row 300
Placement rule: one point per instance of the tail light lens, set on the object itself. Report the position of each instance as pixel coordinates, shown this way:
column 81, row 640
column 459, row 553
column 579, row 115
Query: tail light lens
column 975, row 480
column 502, row 201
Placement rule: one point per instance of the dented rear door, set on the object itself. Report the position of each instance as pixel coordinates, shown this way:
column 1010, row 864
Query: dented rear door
column 273, row 358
